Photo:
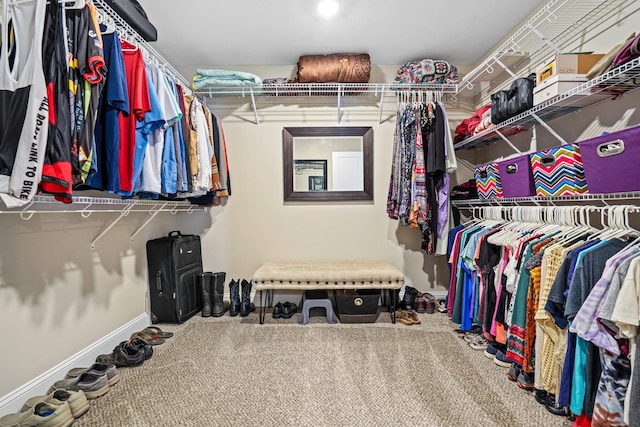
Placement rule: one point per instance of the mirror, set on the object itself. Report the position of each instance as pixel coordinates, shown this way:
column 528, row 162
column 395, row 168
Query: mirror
column 327, row 163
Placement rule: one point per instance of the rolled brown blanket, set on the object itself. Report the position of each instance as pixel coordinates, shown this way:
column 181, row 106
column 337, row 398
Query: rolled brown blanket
column 335, row 67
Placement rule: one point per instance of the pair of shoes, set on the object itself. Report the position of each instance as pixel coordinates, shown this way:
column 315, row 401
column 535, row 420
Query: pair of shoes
column 284, row 311
column 240, row 298
column 472, row 336
column 541, row 396
column 491, row 351
column 76, row 400
column 407, row 317
column 425, row 303
column 500, row 359
column 525, row 381
column 480, row 343
column 150, row 339
column 93, row 385
column 475, row 329
column 124, row 355
column 409, row 298
column 212, row 288
column 552, row 407
column 98, row 369
column 41, row 414
column 514, row 372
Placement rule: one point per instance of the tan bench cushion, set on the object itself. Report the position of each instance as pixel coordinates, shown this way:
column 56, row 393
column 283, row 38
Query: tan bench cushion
column 328, row 275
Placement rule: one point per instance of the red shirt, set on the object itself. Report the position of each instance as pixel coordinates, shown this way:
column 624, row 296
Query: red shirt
column 139, row 105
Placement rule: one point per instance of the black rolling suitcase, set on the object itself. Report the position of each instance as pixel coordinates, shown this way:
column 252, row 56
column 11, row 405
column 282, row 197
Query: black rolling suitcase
column 175, row 265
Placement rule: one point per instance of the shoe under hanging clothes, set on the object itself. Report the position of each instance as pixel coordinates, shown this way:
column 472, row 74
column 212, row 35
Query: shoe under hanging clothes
column 423, row 157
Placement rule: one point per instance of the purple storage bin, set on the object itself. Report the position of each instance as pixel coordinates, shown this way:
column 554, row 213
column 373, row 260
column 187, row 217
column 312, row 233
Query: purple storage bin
column 516, row 177
column 611, row 161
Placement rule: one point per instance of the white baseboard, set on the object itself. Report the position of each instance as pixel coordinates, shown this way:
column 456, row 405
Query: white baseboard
column 13, row 401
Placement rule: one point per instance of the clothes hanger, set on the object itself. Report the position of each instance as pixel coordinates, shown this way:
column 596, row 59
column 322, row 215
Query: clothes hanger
column 107, row 22
column 74, row 4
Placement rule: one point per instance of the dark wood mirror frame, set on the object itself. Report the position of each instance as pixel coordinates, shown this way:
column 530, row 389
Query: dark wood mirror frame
column 289, row 133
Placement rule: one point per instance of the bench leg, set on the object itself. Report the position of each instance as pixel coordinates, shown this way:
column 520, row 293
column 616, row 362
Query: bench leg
column 262, row 311
column 392, row 305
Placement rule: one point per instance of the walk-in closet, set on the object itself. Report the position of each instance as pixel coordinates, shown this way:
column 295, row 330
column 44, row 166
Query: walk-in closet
column 319, row 213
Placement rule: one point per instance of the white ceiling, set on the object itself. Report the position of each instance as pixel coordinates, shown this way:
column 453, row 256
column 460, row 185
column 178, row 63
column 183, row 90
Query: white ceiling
column 270, row 32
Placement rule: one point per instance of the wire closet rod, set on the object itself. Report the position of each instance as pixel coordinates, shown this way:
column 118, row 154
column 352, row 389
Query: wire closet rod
column 125, row 30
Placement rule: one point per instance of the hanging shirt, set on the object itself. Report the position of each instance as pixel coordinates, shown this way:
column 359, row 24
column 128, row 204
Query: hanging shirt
column 153, row 120
column 24, row 105
column 139, row 105
column 113, row 102
column 56, row 172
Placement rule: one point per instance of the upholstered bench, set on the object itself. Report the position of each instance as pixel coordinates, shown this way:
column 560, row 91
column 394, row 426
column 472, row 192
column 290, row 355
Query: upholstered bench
column 327, row 275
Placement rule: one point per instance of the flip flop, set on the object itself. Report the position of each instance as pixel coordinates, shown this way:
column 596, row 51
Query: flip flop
column 154, row 330
column 149, row 339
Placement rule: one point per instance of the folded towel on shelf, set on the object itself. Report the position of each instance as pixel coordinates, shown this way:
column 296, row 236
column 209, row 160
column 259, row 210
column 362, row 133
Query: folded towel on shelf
column 205, row 79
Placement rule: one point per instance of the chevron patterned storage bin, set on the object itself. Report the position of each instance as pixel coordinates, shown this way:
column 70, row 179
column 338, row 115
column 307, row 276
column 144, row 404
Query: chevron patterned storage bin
column 558, row 171
column 488, row 181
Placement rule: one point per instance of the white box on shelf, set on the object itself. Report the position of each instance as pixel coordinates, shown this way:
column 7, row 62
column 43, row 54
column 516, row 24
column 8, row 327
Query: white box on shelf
column 561, row 83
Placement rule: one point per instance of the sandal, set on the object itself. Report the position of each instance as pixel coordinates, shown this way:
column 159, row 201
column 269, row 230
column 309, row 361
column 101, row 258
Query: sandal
column 414, row 317
column 402, row 316
column 154, row 330
column 149, row 339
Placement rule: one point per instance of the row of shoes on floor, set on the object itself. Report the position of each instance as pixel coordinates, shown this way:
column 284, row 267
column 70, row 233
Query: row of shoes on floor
column 524, row 380
column 284, row 310
column 414, row 302
column 67, row 399
column 213, row 304
column 422, row 302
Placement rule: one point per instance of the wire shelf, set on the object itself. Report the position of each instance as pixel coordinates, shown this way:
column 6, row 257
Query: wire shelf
column 324, row 89
column 549, row 200
column 556, row 27
column 613, row 83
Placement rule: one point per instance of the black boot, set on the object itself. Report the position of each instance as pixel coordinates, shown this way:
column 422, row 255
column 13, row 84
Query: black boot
column 217, row 291
column 245, row 304
column 408, row 300
column 205, row 286
column 234, row 291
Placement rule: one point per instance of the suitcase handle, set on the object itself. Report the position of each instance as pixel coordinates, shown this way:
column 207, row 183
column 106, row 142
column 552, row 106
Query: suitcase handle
column 175, row 233
column 159, row 282
column 483, row 174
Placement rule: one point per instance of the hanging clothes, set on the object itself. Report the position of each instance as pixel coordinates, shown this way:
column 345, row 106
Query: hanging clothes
column 24, row 111
column 422, row 156
column 56, row 173
column 573, row 313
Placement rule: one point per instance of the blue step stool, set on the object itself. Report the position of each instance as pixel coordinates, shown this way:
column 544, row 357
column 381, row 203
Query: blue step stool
column 313, row 299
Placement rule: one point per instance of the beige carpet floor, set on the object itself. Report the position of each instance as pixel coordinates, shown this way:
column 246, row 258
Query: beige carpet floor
column 235, row 372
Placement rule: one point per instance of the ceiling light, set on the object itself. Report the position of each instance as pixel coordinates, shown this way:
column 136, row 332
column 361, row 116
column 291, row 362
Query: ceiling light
column 328, row 8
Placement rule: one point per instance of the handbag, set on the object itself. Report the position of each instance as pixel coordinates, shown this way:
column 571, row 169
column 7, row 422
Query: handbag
column 508, row 103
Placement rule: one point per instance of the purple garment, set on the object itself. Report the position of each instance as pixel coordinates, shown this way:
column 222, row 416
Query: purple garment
column 443, row 205
column 586, row 324
column 443, row 192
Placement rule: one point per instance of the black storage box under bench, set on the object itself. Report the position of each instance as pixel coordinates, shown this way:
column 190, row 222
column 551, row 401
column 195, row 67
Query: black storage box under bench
column 359, row 306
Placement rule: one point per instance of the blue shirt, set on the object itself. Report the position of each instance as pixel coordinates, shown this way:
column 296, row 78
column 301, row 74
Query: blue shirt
column 114, row 100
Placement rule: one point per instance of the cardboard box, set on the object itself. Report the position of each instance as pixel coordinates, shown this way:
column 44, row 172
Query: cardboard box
column 566, row 63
